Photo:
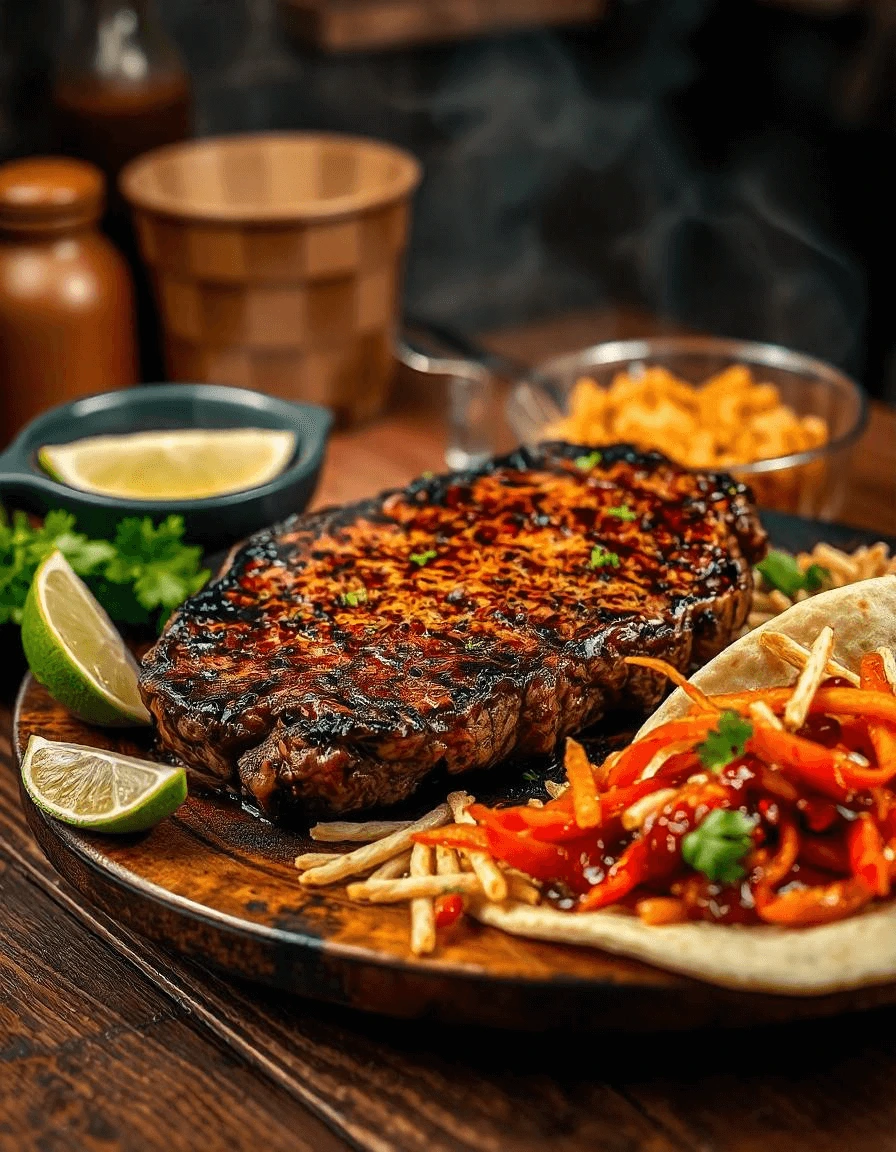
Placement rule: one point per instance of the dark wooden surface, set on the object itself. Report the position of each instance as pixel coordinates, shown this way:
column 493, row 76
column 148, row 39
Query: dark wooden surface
column 215, row 884
column 108, row 1043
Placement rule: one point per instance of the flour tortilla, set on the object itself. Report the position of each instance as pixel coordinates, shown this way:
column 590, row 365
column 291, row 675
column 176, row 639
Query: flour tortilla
column 850, row 953
column 863, row 616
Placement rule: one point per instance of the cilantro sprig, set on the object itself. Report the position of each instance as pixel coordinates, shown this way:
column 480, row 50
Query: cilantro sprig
column 781, row 570
column 422, row 558
column 622, row 512
column 602, row 558
column 354, row 598
column 138, row 576
column 586, row 463
column 718, row 845
column 724, row 744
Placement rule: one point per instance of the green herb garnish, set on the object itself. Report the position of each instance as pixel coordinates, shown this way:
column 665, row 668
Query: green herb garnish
column 421, row 558
column 138, row 576
column 353, row 599
column 781, row 570
column 532, row 776
column 622, row 512
column 588, row 462
column 601, row 558
column 718, row 846
column 726, row 743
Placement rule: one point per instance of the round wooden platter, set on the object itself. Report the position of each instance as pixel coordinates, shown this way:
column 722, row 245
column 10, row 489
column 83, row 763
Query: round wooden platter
column 219, row 885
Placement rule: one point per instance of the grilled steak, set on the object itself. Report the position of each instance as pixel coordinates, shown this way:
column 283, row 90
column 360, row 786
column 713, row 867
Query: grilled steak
column 342, row 656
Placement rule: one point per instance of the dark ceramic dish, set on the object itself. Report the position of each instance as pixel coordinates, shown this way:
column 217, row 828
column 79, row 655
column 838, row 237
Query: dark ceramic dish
column 215, row 522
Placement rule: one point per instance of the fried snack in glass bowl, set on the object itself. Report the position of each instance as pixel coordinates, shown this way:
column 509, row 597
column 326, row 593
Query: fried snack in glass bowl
column 779, row 420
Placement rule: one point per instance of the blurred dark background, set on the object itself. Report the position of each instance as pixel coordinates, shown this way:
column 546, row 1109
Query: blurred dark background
column 719, row 162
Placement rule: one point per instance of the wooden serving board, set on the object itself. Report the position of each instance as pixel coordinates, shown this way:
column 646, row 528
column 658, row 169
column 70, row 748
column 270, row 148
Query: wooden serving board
column 215, row 883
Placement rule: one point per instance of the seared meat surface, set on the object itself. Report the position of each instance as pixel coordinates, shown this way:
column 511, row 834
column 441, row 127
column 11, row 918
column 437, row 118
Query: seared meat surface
column 341, row 657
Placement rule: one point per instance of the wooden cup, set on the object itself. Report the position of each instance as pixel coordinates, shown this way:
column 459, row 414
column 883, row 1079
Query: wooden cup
column 277, row 262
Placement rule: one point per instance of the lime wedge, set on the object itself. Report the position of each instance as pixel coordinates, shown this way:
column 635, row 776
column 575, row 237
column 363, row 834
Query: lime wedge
column 186, row 464
column 75, row 651
column 100, row 790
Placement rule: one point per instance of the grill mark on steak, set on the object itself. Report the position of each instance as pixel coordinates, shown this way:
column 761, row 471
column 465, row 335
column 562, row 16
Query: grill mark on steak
column 325, row 670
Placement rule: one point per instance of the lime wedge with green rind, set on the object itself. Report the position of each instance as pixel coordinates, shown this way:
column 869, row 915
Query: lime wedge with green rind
column 75, row 651
column 180, row 464
column 100, row 791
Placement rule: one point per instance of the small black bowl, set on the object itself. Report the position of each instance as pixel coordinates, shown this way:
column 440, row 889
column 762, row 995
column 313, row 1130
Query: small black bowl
column 215, row 522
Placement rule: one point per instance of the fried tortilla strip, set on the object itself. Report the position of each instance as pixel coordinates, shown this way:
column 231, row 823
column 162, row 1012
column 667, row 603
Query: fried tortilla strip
column 352, row 863
column 341, row 831
column 796, row 655
column 413, row 887
column 423, row 917
column 809, row 680
column 760, row 711
column 494, row 883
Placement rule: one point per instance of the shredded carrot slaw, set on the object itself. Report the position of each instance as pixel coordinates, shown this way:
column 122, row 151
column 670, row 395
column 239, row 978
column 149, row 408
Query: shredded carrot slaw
column 722, row 815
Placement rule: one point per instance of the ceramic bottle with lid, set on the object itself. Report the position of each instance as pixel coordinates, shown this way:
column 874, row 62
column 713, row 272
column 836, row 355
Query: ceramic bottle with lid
column 66, row 297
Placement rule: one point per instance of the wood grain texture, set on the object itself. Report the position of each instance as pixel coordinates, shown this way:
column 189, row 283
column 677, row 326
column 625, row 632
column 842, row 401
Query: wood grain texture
column 367, row 25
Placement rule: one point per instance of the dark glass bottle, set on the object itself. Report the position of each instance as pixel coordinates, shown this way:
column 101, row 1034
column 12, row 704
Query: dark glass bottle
column 122, row 89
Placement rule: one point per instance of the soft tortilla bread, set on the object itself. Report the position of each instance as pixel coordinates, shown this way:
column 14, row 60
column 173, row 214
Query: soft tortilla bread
column 863, row 616
column 850, row 953
column 796, row 961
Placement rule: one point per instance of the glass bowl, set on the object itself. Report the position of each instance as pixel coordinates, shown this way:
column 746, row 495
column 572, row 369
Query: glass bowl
column 810, row 483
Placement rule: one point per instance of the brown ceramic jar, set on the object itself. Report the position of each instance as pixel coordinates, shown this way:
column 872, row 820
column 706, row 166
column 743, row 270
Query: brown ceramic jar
column 66, row 298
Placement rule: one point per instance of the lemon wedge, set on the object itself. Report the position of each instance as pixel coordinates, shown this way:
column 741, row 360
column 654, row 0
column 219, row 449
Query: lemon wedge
column 183, row 464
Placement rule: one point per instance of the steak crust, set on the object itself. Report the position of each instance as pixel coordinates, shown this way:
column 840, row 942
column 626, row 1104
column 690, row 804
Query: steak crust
column 342, row 656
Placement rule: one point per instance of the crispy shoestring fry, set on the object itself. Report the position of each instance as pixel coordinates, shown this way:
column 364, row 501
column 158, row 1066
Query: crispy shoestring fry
column 761, row 712
column 414, row 887
column 809, row 680
column 494, row 883
column 844, row 568
column 635, row 816
column 447, row 863
column 423, row 918
column 315, row 859
column 794, row 654
column 340, row 831
column 392, row 869
column 353, row 863
column 661, row 755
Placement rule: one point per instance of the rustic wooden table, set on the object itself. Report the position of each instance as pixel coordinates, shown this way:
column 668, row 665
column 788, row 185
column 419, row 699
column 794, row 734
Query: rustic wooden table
column 107, row 1043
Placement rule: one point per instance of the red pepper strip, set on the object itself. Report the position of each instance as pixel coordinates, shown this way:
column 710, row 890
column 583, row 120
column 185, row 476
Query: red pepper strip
column 820, row 904
column 627, row 873
column 634, row 759
column 466, row 836
column 866, row 855
column 447, row 909
column 784, row 859
column 825, row 770
column 582, row 785
column 558, row 826
column 519, row 850
column 883, row 736
column 832, row 701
